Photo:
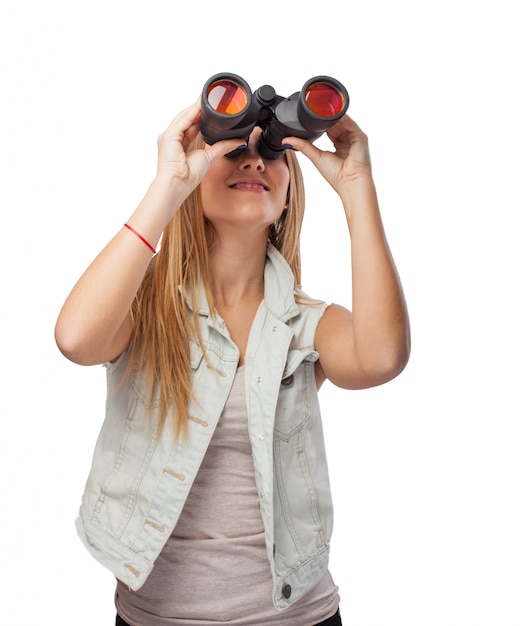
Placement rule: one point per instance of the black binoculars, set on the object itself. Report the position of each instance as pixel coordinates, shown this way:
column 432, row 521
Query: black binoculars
column 230, row 110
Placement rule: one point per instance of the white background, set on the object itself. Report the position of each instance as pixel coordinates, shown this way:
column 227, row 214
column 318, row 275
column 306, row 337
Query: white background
column 428, row 470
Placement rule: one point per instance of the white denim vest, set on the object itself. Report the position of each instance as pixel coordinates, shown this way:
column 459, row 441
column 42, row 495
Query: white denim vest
column 138, row 483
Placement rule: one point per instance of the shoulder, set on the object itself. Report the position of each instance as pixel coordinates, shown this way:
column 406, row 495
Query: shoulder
column 334, row 316
column 309, row 310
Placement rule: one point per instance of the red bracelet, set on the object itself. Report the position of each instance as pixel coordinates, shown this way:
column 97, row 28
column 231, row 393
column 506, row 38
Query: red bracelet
column 141, row 238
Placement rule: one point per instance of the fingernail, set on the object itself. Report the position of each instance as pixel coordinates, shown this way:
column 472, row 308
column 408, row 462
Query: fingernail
column 238, row 150
column 287, row 146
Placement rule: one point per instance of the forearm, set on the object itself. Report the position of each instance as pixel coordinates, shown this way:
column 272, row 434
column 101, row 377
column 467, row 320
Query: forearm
column 380, row 318
column 94, row 324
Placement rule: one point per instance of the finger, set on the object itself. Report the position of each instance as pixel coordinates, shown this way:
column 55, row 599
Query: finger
column 221, row 148
column 200, row 160
column 190, row 134
column 346, row 131
column 345, row 124
column 184, row 120
column 305, row 147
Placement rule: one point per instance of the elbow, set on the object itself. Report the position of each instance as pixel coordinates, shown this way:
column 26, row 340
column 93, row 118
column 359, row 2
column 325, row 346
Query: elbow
column 393, row 356
column 393, row 363
column 87, row 344
column 393, row 367
column 72, row 345
column 385, row 365
column 68, row 346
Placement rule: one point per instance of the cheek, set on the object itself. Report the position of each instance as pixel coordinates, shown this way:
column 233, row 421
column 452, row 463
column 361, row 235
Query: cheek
column 209, row 185
column 285, row 183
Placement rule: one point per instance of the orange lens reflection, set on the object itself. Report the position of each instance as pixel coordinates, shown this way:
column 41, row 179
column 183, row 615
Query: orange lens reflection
column 227, row 97
column 324, row 100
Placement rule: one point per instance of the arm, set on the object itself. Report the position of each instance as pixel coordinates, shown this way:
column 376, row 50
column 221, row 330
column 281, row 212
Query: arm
column 371, row 344
column 95, row 325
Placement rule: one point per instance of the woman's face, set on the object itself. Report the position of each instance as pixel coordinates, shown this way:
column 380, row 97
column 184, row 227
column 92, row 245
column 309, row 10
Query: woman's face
column 245, row 189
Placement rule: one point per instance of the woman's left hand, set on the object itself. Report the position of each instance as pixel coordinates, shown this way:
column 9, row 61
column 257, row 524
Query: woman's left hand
column 350, row 160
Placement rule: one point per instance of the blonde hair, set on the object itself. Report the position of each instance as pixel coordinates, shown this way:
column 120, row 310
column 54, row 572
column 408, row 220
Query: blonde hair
column 163, row 324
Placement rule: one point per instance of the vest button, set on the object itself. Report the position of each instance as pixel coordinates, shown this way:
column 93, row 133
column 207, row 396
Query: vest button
column 287, row 591
column 287, row 381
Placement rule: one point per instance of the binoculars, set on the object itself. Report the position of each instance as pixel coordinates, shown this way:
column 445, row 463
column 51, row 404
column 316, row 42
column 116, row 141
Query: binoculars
column 230, row 110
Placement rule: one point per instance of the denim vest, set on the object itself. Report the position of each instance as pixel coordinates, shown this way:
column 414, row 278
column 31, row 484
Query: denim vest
column 138, row 482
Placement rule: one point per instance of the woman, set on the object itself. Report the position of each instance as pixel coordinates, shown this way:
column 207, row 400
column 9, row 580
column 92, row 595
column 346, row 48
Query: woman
column 208, row 496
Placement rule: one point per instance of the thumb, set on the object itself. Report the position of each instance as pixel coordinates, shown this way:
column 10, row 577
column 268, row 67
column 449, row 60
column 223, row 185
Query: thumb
column 224, row 147
column 305, row 147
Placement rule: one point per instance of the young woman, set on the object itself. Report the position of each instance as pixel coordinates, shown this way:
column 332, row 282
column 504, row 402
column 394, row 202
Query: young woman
column 209, row 496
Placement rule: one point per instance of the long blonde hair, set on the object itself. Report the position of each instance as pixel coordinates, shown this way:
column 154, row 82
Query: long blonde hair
column 163, row 324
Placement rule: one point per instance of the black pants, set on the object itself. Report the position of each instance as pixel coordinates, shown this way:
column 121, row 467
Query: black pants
column 335, row 620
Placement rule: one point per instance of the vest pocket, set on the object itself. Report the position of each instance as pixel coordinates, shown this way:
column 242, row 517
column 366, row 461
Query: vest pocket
column 301, row 524
column 295, row 400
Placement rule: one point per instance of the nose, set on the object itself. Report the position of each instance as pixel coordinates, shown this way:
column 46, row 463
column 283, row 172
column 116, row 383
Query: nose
column 251, row 158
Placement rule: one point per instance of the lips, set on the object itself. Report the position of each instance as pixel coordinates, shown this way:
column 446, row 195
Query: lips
column 249, row 185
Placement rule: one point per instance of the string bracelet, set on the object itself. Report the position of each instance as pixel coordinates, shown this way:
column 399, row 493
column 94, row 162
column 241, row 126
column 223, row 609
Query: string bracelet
column 144, row 240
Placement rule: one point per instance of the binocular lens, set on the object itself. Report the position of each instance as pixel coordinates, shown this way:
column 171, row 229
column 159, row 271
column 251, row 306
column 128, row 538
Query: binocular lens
column 227, row 97
column 324, row 100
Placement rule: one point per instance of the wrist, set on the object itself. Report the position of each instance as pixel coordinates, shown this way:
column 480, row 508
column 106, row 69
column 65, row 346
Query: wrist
column 358, row 183
column 168, row 192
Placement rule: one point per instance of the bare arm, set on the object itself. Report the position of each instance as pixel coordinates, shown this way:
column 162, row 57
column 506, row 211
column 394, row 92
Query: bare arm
column 371, row 344
column 94, row 325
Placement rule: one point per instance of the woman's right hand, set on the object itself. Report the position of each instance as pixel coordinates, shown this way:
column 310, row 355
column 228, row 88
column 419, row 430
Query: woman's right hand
column 174, row 160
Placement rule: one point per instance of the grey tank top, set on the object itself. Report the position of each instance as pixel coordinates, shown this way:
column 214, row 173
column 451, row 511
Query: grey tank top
column 214, row 568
